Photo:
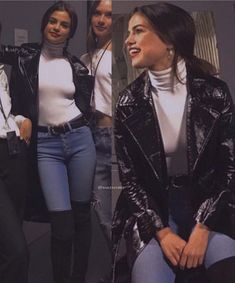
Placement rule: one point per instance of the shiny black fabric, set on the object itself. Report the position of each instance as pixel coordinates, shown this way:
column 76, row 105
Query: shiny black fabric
column 142, row 207
column 24, row 95
column 24, row 79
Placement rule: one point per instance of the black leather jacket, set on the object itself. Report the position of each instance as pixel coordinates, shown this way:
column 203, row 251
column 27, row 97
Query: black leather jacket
column 142, row 206
column 24, row 79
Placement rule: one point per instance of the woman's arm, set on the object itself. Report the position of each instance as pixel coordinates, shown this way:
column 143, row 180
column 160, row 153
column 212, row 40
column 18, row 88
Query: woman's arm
column 223, row 190
column 9, row 54
column 213, row 208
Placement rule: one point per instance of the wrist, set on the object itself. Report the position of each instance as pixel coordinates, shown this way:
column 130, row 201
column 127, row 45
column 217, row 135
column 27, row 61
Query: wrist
column 202, row 229
column 27, row 120
column 161, row 234
column 202, row 226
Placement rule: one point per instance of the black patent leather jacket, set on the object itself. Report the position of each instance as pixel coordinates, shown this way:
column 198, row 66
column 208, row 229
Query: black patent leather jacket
column 24, row 79
column 142, row 207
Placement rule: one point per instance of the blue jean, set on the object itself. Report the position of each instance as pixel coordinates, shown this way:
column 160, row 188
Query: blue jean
column 181, row 222
column 102, row 180
column 66, row 164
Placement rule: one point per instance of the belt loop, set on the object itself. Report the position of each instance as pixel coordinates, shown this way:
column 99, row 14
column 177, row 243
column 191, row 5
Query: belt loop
column 70, row 127
column 49, row 130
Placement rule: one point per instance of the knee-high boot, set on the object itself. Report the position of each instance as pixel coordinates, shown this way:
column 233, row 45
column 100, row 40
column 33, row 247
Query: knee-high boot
column 62, row 232
column 222, row 271
column 82, row 241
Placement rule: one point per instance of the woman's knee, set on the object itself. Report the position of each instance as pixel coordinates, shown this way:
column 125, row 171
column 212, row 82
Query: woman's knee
column 220, row 246
column 158, row 269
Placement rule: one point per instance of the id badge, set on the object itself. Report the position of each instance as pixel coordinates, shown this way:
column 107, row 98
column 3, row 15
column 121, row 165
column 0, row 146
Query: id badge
column 13, row 143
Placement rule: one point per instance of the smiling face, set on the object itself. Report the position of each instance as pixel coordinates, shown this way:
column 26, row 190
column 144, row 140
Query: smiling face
column 145, row 47
column 57, row 29
column 101, row 21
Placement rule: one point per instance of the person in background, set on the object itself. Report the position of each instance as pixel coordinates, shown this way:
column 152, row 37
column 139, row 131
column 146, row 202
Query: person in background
column 53, row 88
column 175, row 145
column 99, row 62
column 15, row 134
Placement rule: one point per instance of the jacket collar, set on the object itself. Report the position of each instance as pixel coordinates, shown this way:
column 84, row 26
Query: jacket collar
column 143, row 125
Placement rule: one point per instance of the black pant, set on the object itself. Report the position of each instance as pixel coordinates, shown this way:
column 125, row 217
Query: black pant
column 13, row 186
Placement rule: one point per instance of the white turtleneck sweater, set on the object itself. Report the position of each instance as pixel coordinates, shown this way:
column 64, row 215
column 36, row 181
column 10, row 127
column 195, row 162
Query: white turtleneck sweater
column 169, row 98
column 56, row 88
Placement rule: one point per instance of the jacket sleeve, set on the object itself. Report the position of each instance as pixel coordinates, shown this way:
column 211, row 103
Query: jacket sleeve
column 9, row 54
column 136, row 196
column 222, row 201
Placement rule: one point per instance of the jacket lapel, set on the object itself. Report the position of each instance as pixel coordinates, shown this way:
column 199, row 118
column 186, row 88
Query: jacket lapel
column 143, row 126
column 201, row 121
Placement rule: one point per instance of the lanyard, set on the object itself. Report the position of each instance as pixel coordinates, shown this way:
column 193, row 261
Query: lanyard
column 3, row 113
column 102, row 54
column 95, row 71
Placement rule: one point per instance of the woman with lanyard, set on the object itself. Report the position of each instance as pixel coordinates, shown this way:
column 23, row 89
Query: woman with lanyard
column 15, row 134
column 52, row 86
column 99, row 62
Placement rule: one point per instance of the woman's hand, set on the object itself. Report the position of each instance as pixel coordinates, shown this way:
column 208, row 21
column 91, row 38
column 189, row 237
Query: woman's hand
column 171, row 244
column 26, row 130
column 194, row 251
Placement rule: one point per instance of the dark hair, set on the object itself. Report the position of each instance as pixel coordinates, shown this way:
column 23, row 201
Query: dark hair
column 91, row 37
column 61, row 6
column 174, row 26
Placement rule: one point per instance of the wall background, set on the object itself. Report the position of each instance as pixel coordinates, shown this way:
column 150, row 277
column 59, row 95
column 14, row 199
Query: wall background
column 28, row 15
column 224, row 15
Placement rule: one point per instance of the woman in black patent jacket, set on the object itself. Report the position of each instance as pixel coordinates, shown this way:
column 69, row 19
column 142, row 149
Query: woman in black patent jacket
column 181, row 220
column 53, row 88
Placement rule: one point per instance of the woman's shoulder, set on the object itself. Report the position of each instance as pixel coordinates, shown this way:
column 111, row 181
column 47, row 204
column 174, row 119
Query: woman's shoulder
column 84, row 58
column 23, row 51
column 211, row 91
column 130, row 93
column 78, row 64
column 30, row 47
column 209, row 84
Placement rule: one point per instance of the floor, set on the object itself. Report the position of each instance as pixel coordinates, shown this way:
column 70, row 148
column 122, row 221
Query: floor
column 38, row 238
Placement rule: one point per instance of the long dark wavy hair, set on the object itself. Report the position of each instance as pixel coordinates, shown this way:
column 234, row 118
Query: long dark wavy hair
column 91, row 37
column 175, row 26
column 61, row 6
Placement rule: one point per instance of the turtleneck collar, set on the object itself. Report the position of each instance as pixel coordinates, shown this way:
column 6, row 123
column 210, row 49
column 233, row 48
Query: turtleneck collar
column 163, row 81
column 50, row 50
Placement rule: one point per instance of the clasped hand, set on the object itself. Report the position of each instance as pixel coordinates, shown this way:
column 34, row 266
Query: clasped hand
column 181, row 253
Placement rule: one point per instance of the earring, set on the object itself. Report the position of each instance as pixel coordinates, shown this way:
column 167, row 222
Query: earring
column 170, row 53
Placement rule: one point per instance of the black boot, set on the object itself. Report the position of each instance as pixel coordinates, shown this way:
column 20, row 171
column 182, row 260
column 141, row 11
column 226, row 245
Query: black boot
column 62, row 232
column 222, row 271
column 82, row 241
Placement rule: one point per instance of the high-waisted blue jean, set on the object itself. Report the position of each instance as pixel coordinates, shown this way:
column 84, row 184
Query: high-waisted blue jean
column 102, row 181
column 181, row 222
column 66, row 165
